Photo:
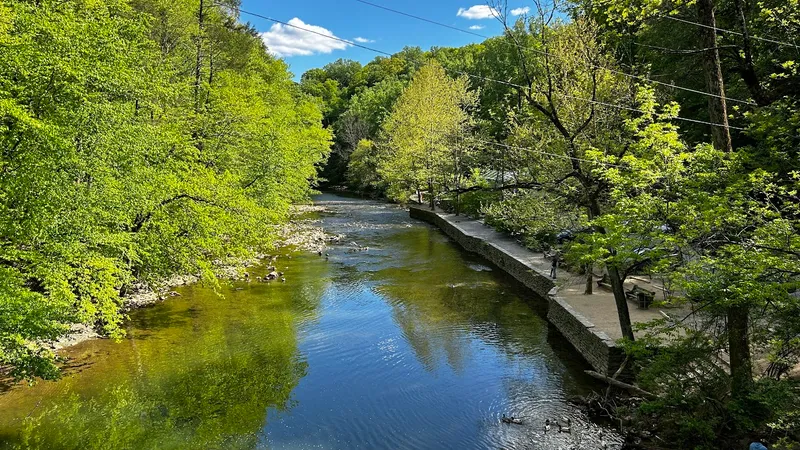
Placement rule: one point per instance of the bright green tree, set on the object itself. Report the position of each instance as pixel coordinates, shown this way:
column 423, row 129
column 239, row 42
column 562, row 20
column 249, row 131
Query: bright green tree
column 698, row 218
column 422, row 133
column 119, row 167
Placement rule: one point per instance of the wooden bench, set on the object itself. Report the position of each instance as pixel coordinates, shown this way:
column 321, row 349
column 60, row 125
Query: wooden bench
column 642, row 297
column 604, row 282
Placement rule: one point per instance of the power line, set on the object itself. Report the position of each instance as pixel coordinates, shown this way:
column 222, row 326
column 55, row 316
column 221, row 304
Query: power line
column 556, row 155
column 528, row 149
column 542, row 52
column 327, row 36
column 498, row 144
column 478, row 77
column 385, row 8
column 737, row 33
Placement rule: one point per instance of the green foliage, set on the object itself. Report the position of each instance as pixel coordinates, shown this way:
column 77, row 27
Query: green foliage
column 424, row 134
column 694, row 408
column 720, row 228
column 373, row 105
column 472, row 203
column 362, row 172
column 356, row 100
column 533, row 218
column 116, row 167
column 774, row 131
column 699, row 219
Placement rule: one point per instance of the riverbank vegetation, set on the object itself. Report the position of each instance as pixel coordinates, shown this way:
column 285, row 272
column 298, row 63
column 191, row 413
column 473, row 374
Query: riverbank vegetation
column 138, row 140
column 142, row 139
column 656, row 144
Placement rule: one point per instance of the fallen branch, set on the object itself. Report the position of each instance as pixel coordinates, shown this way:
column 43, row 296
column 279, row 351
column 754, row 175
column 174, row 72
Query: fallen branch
column 620, row 384
column 617, row 374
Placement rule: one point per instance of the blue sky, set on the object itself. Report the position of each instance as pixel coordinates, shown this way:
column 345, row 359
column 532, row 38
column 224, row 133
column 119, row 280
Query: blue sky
column 376, row 28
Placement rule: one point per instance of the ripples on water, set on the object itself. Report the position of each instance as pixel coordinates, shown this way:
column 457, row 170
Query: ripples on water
column 412, row 344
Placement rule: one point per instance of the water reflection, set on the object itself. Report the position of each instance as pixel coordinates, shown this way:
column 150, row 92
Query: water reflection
column 410, row 344
column 421, row 345
column 198, row 371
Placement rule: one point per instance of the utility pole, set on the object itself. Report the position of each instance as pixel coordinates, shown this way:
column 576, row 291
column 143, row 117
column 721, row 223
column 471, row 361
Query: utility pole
column 717, row 107
column 738, row 316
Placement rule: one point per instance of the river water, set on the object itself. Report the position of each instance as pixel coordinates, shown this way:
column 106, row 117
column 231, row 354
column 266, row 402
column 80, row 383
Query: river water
column 411, row 344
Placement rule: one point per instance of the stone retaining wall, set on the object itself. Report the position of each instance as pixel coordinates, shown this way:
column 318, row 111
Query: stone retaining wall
column 599, row 350
column 594, row 345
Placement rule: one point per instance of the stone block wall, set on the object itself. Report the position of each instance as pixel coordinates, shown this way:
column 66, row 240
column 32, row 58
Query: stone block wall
column 596, row 347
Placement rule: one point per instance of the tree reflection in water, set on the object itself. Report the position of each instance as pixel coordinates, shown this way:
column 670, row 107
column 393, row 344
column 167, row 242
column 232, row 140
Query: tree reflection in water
column 198, row 371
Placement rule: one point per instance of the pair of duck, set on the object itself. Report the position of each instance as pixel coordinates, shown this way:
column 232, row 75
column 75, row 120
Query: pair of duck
column 512, row 419
column 566, row 428
column 562, row 428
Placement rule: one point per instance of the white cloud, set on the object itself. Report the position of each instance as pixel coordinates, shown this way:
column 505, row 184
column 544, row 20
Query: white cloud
column 478, row 12
column 520, row 11
column 363, row 40
column 477, row 27
column 283, row 40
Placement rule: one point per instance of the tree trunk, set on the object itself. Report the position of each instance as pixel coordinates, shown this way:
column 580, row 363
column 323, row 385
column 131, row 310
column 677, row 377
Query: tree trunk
column 622, row 303
column 430, row 194
column 739, row 350
column 617, row 285
column 210, row 73
column 589, row 280
column 210, row 68
column 747, row 68
column 502, row 173
column 717, row 108
column 458, row 194
column 457, row 182
column 199, row 62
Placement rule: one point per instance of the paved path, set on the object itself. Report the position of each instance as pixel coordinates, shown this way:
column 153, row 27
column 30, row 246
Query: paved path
column 599, row 307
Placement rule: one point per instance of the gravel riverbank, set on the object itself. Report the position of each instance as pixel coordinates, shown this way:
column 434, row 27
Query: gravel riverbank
column 299, row 234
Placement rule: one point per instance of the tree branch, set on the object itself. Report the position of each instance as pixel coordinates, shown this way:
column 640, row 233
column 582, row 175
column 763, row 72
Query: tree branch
column 141, row 219
column 620, row 384
column 531, row 185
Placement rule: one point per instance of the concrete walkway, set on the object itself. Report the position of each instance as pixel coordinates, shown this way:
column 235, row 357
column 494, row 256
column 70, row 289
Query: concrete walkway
column 599, row 308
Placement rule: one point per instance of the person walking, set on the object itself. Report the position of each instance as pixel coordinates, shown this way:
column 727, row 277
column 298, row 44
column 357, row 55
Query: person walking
column 554, row 265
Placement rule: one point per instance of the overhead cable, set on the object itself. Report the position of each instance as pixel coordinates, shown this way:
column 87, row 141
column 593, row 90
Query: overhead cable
column 478, row 77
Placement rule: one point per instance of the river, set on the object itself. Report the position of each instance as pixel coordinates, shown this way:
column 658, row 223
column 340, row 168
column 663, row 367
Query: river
column 411, row 344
